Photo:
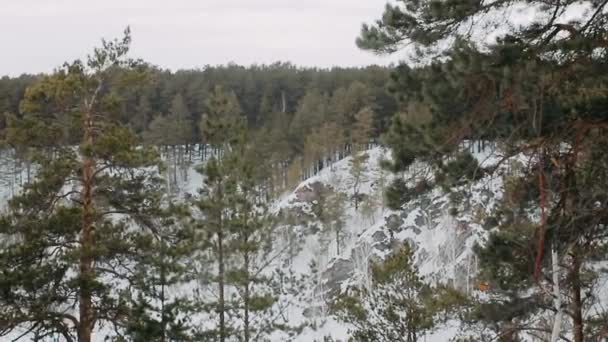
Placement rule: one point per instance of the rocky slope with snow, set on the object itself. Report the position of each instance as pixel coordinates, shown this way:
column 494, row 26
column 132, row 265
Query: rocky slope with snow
column 443, row 239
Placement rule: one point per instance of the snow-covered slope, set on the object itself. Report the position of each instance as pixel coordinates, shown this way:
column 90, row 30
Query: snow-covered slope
column 443, row 242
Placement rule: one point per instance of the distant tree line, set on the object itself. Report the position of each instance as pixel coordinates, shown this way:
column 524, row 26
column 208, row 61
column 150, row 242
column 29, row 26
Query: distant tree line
column 303, row 118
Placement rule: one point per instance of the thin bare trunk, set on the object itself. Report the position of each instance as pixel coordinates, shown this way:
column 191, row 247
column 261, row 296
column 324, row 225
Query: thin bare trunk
column 557, row 300
column 221, row 304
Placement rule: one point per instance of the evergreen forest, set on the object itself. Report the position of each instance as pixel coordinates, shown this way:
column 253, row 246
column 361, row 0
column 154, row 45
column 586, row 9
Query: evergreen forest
column 458, row 195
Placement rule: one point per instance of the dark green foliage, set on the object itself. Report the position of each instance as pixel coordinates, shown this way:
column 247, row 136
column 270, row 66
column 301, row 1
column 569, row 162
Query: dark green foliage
column 398, row 193
column 222, row 118
column 143, row 327
column 175, row 128
column 507, row 259
column 462, row 168
column 157, row 313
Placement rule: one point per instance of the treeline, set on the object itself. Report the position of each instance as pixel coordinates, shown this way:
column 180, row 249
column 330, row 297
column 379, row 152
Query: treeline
column 297, row 116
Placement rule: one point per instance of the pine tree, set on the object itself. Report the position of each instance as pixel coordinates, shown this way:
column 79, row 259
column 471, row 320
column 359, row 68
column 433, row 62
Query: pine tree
column 330, row 210
column 222, row 116
column 174, row 130
column 400, row 306
column 346, row 103
column 159, row 311
column 215, row 240
column 253, row 229
column 236, row 229
column 75, row 234
column 369, row 206
column 362, row 131
column 358, row 169
column 143, row 112
column 310, row 113
column 179, row 113
column 361, row 134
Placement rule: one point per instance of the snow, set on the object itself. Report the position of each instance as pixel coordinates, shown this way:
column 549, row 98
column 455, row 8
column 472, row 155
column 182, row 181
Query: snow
column 331, row 327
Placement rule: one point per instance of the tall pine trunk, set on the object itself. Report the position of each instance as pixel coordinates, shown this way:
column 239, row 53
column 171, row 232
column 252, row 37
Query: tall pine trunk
column 87, row 239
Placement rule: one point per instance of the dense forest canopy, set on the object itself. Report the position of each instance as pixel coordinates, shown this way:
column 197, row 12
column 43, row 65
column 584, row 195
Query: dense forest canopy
column 289, row 110
column 263, row 92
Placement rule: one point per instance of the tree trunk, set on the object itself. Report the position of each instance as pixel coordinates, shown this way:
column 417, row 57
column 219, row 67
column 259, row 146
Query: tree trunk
column 577, row 303
column 356, row 192
column 175, row 165
column 28, row 166
column 283, row 102
column 337, row 242
column 557, row 322
column 87, row 239
column 163, row 280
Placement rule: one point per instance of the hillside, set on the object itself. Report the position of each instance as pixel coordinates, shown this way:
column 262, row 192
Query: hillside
column 443, row 242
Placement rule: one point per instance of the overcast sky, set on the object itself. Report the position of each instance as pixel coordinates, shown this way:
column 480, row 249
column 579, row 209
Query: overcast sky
column 38, row 35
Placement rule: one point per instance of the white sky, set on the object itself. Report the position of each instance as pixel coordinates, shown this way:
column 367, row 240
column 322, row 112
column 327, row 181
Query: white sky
column 38, row 35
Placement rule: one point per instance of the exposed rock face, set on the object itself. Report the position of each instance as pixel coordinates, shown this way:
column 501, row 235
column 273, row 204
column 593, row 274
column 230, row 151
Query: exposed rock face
column 333, row 277
column 379, row 237
column 312, row 312
column 381, row 241
column 299, row 213
column 310, row 192
column 394, row 223
column 421, row 220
